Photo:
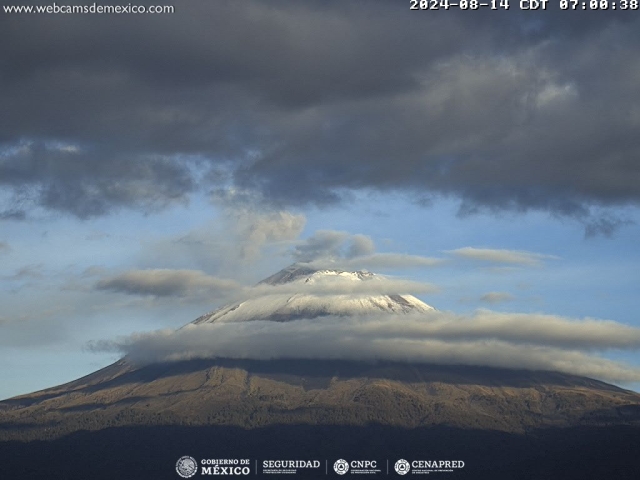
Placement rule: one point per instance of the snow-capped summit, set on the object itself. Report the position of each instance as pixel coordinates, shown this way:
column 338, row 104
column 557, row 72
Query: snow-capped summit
column 298, row 271
column 299, row 292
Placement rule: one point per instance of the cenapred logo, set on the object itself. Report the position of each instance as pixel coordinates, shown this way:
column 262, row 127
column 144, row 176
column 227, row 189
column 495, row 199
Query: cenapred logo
column 402, row 467
column 341, row 466
column 186, row 466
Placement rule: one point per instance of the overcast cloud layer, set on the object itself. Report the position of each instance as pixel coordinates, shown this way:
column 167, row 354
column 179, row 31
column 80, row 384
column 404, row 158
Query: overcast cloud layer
column 538, row 342
column 300, row 102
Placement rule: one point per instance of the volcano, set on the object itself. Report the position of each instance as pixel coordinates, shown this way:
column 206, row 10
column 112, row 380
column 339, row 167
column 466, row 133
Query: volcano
column 132, row 420
column 299, row 303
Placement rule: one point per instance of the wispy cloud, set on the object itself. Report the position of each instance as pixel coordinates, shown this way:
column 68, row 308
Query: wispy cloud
column 501, row 256
column 379, row 261
column 199, row 285
column 234, row 245
column 28, row 272
column 496, row 297
column 168, row 283
column 254, row 230
column 338, row 249
column 332, row 285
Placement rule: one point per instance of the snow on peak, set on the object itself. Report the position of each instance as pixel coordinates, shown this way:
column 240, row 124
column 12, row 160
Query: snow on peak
column 300, row 292
column 300, row 272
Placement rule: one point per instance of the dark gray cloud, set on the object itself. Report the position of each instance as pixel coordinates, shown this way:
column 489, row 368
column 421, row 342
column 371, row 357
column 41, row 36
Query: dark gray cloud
column 605, row 225
column 303, row 102
column 92, row 181
column 13, row 214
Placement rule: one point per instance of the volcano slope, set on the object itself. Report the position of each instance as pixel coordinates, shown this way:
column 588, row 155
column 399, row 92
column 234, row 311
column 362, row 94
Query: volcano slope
column 135, row 421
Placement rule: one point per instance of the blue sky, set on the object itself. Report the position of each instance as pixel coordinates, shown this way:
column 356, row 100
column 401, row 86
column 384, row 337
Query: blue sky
column 52, row 311
column 151, row 166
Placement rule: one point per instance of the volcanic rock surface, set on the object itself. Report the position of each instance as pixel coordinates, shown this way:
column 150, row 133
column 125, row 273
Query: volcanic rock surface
column 243, row 400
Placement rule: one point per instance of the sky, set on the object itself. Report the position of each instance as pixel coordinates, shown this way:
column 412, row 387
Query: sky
column 154, row 166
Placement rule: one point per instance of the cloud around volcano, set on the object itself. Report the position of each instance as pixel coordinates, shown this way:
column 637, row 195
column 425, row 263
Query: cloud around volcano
column 486, row 338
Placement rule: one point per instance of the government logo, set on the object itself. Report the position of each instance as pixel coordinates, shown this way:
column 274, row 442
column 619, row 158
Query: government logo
column 341, row 466
column 402, row 467
column 186, row 466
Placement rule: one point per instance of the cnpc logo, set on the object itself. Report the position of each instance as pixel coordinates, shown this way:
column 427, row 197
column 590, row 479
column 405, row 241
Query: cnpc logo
column 341, row 466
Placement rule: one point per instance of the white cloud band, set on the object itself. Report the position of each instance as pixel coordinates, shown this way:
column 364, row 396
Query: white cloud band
column 536, row 342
